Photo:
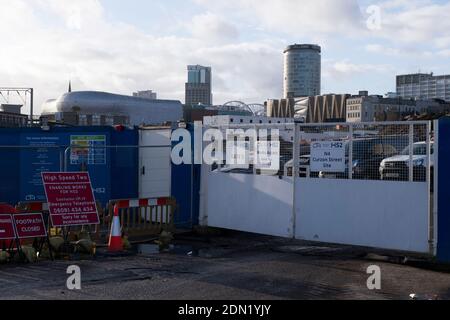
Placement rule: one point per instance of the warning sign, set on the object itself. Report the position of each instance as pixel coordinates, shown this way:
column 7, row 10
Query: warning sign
column 30, row 225
column 7, row 231
column 70, row 199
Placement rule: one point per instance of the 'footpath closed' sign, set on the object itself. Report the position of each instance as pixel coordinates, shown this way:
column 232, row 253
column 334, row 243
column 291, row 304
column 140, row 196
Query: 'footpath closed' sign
column 30, row 225
column 328, row 156
column 70, row 199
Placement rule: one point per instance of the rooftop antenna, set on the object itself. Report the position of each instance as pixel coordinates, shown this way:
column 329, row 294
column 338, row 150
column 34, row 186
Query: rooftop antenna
column 70, row 86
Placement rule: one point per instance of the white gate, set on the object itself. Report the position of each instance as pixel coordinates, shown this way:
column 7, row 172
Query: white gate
column 358, row 184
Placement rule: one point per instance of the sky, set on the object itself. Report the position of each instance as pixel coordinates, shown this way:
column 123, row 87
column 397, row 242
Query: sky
column 124, row 46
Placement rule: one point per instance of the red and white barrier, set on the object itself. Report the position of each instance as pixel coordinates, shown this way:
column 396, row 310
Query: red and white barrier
column 159, row 215
column 136, row 203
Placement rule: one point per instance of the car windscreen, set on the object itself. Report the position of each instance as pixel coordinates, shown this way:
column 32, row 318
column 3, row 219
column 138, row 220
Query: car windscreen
column 381, row 147
column 419, row 150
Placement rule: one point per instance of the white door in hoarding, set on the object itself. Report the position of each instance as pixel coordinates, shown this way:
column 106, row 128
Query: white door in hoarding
column 155, row 171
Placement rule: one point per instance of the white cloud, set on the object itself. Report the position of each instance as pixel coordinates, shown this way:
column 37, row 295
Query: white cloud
column 402, row 21
column 444, row 53
column 339, row 69
column 414, row 21
column 47, row 42
column 409, row 51
column 378, row 48
column 99, row 55
column 294, row 17
column 75, row 14
column 212, row 27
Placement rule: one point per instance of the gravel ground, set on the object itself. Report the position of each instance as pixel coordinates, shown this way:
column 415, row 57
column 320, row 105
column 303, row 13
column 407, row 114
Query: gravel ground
column 232, row 267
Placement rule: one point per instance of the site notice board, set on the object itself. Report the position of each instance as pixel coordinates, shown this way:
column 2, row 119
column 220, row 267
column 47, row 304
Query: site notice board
column 328, row 156
column 70, row 199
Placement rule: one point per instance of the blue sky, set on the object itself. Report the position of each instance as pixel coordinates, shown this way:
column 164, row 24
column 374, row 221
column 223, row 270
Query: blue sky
column 123, row 46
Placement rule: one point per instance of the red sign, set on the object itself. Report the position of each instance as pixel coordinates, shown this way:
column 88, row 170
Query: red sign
column 30, row 225
column 70, row 199
column 7, row 231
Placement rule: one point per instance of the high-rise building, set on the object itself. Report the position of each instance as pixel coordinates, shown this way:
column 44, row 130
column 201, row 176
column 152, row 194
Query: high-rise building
column 148, row 94
column 423, row 86
column 302, row 70
column 199, row 86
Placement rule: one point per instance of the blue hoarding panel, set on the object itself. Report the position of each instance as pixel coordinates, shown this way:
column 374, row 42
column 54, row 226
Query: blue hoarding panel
column 45, row 150
column 186, row 190
column 443, row 244
column 125, row 165
column 9, row 166
column 41, row 153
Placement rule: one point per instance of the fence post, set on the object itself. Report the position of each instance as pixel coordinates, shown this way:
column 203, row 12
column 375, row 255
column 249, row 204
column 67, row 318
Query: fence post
column 411, row 153
column 435, row 199
column 431, row 238
column 350, row 152
column 295, row 175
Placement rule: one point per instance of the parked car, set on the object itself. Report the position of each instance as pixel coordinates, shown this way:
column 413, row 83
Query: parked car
column 397, row 168
column 284, row 158
column 304, row 167
column 367, row 156
column 234, row 169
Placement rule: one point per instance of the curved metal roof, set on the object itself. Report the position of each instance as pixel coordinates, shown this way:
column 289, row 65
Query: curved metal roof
column 139, row 110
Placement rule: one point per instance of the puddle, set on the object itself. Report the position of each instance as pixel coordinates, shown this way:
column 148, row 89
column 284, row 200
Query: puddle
column 208, row 253
column 186, row 250
column 153, row 249
column 181, row 249
column 147, row 249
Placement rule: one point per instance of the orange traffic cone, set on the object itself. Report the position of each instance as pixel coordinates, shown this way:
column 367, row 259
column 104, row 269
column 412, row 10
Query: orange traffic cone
column 115, row 239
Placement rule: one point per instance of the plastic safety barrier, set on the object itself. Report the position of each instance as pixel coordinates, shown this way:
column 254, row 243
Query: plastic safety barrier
column 141, row 217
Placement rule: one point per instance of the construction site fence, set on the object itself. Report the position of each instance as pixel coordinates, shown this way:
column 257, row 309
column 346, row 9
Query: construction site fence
column 139, row 218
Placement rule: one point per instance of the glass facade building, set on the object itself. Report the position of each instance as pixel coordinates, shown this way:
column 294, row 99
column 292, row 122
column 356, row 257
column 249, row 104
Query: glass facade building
column 423, row 86
column 302, row 70
column 199, row 87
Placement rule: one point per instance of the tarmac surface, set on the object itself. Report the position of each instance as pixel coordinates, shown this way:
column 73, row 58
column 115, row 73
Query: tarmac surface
column 234, row 266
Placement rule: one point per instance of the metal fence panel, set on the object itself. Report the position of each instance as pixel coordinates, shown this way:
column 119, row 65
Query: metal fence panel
column 389, row 151
column 259, row 149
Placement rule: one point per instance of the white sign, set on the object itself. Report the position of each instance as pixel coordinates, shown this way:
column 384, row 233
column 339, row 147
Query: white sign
column 238, row 154
column 268, row 156
column 328, row 156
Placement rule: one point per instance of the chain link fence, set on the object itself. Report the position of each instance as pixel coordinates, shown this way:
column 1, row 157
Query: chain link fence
column 253, row 149
column 390, row 151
